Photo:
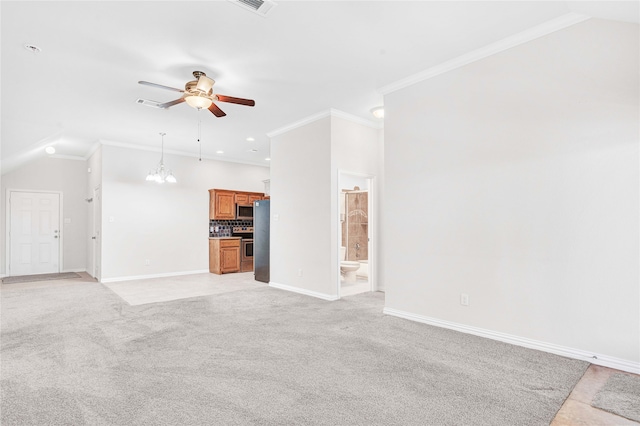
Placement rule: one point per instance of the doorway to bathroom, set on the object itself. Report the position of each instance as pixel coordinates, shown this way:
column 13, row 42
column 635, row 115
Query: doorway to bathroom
column 356, row 271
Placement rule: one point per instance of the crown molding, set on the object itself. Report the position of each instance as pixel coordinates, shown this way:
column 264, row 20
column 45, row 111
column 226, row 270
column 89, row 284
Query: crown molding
column 93, row 149
column 331, row 112
column 179, row 153
column 67, row 157
column 532, row 33
column 355, row 119
column 299, row 123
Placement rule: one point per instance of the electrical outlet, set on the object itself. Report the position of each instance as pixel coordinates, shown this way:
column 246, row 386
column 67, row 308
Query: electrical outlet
column 464, row 299
column 299, row 272
column 147, row 262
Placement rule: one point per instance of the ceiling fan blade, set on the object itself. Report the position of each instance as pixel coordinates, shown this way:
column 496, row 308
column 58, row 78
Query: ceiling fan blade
column 146, row 83
column 216, row 111
column 231, row 99
column 171, row 103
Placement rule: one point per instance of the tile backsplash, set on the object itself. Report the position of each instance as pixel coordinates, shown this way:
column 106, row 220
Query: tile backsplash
column 224, row 227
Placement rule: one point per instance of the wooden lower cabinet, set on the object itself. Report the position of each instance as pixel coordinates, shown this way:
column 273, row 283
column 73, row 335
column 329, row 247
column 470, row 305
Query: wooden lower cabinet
column 224, row 255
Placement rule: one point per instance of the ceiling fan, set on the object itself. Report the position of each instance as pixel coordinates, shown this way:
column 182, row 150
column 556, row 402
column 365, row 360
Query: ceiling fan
column 199, row 94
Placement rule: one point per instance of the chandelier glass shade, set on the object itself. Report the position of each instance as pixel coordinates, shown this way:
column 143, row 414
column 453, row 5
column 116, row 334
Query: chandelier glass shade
column 161, row 174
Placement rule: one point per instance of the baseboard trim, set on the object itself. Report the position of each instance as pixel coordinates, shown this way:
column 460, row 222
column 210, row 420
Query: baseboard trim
column 316, row 294
column 593, row 358
column 73, row 270
column 144, row 277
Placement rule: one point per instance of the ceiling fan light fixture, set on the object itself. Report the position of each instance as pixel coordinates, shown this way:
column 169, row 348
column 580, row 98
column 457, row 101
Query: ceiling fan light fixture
column 204, row 84
column 198, row 102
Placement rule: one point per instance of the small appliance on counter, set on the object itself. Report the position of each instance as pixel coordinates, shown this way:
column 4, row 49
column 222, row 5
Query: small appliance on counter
column 261, row 214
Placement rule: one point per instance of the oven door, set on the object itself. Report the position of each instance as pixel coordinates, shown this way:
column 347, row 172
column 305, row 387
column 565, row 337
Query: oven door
column 247, row 250
column 246, row 255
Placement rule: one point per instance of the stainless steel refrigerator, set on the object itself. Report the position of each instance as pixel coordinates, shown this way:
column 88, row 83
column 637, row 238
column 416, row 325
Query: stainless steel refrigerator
column 261, row 216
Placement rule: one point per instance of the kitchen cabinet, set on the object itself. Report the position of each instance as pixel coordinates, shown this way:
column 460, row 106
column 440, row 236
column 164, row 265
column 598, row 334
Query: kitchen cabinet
column 242, row 198
column 224, row 255
column 255, row 197
column 222, row 204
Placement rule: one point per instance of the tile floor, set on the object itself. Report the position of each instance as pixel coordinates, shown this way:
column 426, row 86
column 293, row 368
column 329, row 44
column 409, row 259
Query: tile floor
column 153, row 290
column 576, row 410
column 349, row 289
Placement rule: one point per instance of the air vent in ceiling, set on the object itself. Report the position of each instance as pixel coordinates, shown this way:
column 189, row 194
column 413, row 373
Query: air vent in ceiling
column 261, row 7
column 148, row 103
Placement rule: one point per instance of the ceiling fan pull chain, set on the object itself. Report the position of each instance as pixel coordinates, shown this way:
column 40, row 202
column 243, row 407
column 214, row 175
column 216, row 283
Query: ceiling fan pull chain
column 199, row 143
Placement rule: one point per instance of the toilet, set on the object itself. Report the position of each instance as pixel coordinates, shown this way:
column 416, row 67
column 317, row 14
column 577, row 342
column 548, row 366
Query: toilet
column 348, row 268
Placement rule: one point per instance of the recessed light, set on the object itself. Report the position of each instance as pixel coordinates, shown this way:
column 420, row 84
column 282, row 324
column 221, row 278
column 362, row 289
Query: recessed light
column 219, row 152
column 50, row 150
column 378, row 112
column 267, row 159
column 250, row 139
column 32, row 48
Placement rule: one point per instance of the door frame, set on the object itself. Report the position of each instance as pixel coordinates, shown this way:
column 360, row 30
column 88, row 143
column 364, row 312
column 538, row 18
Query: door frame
column 371, row 228
column 8, row 226
column 96, row 232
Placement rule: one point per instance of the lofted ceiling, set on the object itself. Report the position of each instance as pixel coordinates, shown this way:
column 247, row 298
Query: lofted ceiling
column 303, row 58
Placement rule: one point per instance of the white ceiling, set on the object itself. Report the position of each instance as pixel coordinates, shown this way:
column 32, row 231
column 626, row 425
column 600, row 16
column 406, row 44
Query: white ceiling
column 302, row 59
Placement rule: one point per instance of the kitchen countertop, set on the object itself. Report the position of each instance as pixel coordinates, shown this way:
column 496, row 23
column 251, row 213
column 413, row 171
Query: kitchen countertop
column 225, row 238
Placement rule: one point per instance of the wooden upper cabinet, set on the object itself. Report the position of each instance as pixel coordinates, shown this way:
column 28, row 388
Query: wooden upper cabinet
column 242, row 198
column 222, row 204
column 255, row 197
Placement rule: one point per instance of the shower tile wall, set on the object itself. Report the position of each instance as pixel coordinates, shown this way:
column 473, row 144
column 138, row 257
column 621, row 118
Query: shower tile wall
column 355, row 227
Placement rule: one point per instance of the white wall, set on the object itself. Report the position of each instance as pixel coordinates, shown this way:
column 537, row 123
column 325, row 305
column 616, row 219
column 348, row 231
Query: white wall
column 301, row 197
column 305, row 163
column 354, row 149
column 519, row 177
column 55, row 174
column 166, row 224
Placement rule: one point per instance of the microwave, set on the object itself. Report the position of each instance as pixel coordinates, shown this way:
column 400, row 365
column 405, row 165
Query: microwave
column 244, row 211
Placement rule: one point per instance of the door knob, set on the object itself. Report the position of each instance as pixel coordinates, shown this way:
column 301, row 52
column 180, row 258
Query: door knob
column 93, row 238
column 55, row 236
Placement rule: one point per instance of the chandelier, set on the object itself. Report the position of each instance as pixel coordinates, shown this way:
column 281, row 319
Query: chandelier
column 160, row 174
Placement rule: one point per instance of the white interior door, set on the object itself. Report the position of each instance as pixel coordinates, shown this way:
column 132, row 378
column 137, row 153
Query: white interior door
column 34, row 233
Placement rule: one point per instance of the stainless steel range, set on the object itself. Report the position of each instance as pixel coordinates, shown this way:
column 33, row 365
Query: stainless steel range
column 246, row 246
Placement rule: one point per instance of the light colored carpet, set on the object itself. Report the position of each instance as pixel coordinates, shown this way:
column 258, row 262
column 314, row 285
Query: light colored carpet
column 79, row 355
column 39, row 277
column 620, row 396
